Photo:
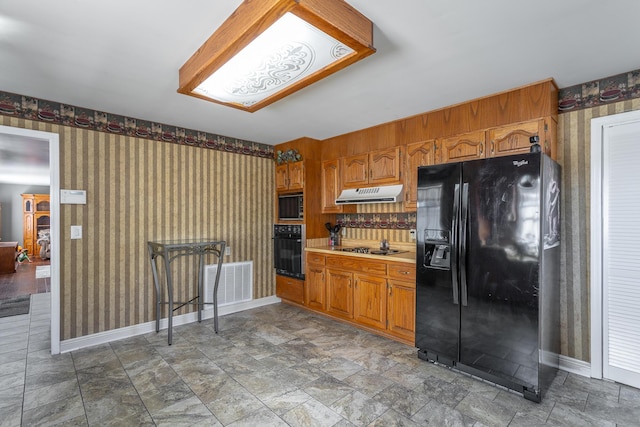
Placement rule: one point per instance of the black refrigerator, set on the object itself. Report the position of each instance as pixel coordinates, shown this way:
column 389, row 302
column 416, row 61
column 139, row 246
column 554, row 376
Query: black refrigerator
column 488, row 269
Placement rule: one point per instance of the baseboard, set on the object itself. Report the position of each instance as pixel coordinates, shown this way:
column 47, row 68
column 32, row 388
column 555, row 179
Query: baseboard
column 575, row 366
column 148, row 327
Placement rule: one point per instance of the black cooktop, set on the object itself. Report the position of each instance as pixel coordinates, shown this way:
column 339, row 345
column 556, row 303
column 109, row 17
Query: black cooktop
column 364, row 250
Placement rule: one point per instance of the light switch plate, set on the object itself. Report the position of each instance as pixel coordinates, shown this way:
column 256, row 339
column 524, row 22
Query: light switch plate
column 76, row 232
column 412, row 234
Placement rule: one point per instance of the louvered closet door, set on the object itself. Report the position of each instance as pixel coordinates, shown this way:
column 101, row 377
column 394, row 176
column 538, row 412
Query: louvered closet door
column 621, row 253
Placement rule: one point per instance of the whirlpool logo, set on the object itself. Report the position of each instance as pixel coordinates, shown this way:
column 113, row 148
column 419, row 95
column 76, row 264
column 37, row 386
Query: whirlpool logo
column 519, row 163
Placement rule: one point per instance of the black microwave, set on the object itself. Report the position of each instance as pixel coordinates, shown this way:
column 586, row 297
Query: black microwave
column 290, row 207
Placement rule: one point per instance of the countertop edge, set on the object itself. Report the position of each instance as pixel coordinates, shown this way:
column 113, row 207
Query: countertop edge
column 406, row 257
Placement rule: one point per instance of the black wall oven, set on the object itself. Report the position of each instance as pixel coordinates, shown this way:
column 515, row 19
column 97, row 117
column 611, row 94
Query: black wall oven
column 288, row 250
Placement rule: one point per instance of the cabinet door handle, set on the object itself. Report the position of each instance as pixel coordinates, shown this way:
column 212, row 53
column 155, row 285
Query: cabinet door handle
column 404, row 272
column 492, row 147
column 356, row 284
column 481, row 148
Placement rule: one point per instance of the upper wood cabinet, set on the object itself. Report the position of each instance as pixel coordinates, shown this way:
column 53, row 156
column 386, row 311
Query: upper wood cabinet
column 514, row 139
column 499, row 141
column 290, row 176
column 385, row 166
column 467, row 146
column 355, row 171
column 382, row 167
column 418, row 154
column 331, row 186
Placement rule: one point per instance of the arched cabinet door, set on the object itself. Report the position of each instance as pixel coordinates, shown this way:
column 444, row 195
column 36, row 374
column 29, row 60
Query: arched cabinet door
column 467, row 146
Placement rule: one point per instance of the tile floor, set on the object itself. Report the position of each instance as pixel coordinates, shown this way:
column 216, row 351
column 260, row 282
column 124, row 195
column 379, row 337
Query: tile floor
column 272, row 366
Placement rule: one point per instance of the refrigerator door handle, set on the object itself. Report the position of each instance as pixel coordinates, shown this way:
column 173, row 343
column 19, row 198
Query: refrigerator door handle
column 464, row 218
column 454, row 237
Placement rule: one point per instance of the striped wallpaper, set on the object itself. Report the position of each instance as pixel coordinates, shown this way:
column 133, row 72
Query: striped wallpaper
column 139, row 190
column 574, row 138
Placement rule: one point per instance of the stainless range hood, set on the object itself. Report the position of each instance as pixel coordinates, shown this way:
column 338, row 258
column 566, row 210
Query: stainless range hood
column 384, row 194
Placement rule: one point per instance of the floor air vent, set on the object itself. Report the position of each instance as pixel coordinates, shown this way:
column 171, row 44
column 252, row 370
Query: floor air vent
column 236, row 282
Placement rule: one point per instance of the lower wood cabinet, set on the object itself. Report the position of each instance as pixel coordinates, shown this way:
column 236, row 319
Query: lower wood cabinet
column 315, row 291
column 340, row 293
column 377, row 295
column 401, row 314
column 370, row 301
column 290, row 289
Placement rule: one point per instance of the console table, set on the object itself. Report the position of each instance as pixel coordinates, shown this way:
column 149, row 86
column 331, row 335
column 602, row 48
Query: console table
column 169, row 250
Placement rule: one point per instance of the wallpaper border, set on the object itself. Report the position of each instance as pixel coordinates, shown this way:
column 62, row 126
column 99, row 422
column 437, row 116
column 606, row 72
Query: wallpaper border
column 31, row 108
column 381, row 221
column 600, row 92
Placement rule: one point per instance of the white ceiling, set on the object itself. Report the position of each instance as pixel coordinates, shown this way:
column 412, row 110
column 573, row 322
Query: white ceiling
column 123, row 57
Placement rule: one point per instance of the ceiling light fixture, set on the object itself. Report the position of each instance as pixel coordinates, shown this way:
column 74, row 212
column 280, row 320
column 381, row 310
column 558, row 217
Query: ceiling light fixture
column 268, row 49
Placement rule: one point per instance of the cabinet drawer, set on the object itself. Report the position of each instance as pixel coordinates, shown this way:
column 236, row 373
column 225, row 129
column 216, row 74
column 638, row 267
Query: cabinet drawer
column 290, row 289
column 402, row 271
column 357, row 264
column 314, row 258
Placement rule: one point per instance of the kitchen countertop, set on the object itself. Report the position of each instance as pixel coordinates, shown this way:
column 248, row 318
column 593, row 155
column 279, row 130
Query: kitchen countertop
column 408, row 257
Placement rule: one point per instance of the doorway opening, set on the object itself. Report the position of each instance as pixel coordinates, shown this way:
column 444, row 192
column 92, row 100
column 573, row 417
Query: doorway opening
column 52, row 139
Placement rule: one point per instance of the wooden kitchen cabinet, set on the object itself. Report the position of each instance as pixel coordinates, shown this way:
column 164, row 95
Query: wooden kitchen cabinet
column 370, row 301
column 468, row 146
column 402, row 309
column 331, row 188
column 290, row 176
column 355, row 171
column 315, row 289
column 499, row 141
column 418, row 154
column 386, row 166
column 340, row 293
column 290, row 289
column 401, row 300
column 375, row 294
column 514, row 138
column 381, row 167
